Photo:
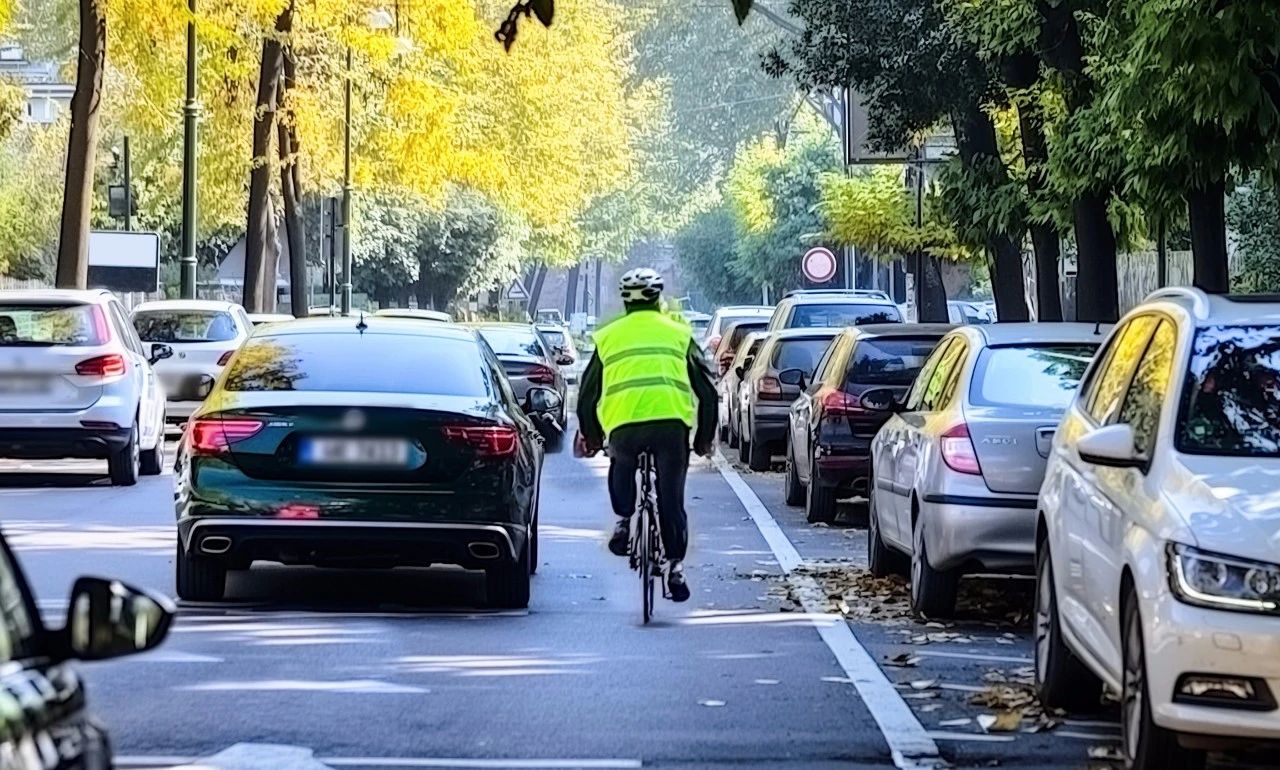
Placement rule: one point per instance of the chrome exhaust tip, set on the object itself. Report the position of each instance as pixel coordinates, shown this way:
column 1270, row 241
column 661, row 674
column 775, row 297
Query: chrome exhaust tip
column 483, row 550
column 215, row 544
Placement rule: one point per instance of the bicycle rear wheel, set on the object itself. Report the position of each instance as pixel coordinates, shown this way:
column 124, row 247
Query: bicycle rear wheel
column 646, row 562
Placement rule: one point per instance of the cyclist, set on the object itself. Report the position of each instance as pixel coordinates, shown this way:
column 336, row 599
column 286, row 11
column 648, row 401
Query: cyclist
column 638, row 391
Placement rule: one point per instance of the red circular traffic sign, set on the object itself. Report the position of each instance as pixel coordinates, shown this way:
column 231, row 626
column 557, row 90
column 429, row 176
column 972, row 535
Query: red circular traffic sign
column 819, row 264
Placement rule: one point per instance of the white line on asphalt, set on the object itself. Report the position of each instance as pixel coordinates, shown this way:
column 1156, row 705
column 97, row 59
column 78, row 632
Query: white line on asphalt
column 126, row 762
column 939, row 735
column 975, row 656
column 1087, row 736
column 911, row 746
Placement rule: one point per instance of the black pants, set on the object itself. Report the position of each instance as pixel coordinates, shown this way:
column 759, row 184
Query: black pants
column 668, row 440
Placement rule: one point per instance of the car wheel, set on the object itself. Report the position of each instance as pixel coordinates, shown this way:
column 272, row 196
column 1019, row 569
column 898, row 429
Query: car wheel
column 792, row 486
column 882, row 560
column 151, row 460
column 1146, row 745
column 1062, row 679
column 200, row 579
column 507, row 585
column 723, row 432
column 533, row 545
column 123, row 465
column 819, row 502
column 744, row 449
column 732, row 428
column 759, row 458
column 933, row 591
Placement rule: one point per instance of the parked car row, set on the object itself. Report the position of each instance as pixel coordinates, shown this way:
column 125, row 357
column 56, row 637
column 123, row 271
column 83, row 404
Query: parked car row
column 1132, row 470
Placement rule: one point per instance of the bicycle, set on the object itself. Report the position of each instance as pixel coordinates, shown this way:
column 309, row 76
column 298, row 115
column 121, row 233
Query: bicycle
column 646, row 554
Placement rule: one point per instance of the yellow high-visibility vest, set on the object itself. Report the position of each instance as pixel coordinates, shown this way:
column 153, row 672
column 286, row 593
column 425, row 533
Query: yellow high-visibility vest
column 646, row 374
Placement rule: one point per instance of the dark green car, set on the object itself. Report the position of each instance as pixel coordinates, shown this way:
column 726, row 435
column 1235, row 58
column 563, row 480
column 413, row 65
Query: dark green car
column 372, row 442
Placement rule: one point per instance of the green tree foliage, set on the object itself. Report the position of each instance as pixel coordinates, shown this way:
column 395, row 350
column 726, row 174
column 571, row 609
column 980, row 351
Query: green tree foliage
column 704, row 250
column 1253, row 214
column 874, row 211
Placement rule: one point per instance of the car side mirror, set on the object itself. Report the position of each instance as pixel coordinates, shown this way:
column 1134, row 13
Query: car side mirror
column 108, row 619
column 205, row 387
column 564, row 359
column 1111, row 446
column 791, row 377
column 541, row 401
column 880, row 400
column 159, row 352
column 741, row 370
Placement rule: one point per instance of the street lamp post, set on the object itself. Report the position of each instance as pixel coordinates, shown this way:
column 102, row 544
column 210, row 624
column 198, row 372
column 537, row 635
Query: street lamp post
column 346, row 190
column 190, row 112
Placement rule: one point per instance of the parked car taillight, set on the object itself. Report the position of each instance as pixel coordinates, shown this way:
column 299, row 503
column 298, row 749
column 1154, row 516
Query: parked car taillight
column 487, row 440
column 958, row 452
column 542, row 375
column 110, row 365
column 837, row 403
column 768, row 389
column 225, row 358
column 214, row 436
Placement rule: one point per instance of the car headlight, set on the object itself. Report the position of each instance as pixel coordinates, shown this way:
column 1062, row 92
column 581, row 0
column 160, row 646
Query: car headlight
column 1223, row 582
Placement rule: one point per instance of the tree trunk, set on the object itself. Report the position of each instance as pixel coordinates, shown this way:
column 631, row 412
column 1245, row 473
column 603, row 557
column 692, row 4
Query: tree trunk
column 1021, row 71
column 1206, row 206
column 1096, row 283
column 271, row 262
column 976, row 142
column 931, row 294
column 77, row 198
column 259, row 227
column 571, row 292
column 291, row 188
column 535, row 290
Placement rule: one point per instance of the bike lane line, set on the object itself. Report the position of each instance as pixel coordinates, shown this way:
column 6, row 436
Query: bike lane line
column 909, row 743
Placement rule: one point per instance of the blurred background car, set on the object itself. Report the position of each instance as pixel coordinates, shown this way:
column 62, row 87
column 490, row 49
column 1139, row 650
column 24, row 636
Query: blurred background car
column 958, row 465
column 723, row 317
column 834, row 308
column 960, row 312
column 564, row 348
column 75, row 381
column 765, row 402
column 529, row 363
column 419, row 313
column 724, row 353
column 829, row 434
column 372, row 442
column 730, row 385
column 258, row 319
column 203, row 335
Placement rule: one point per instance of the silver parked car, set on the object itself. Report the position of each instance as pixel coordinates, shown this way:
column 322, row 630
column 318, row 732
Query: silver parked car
column 203, row 335
column 958, row 465
column 75, row 381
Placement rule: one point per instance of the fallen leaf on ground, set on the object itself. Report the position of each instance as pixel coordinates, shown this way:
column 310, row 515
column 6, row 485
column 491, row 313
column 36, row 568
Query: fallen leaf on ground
column 1109, row 753
column 711, row 703
column 766, row 681
column 903, row 660
column 955, row 722
column 924, row 684
column 1001, row 722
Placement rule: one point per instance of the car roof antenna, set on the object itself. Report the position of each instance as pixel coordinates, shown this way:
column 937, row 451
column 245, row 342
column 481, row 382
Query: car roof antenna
column 1097, row 327
column 361, row 325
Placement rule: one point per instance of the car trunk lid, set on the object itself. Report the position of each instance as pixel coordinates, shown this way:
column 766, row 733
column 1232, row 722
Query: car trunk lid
column 1012, row 446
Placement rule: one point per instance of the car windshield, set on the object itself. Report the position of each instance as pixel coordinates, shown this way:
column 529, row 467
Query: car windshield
column 184, row 326
column 368, row 363
column 50, row 325
column 1030, row 376
column 554, row 338
column 888, row 361
column 802, row 354
column 513, row 342
column 1231, row 399
column 838, row 314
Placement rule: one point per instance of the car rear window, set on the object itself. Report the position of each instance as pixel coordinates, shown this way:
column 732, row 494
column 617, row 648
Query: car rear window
column 888, row 361
column 553, row 338
column 184, row 326
column 1032, row 376
column 53, row 324
column 1231, row 398
column 368, row 363
column 513, row 342
column 741, row 330
column 838, row 314
column 803, row 354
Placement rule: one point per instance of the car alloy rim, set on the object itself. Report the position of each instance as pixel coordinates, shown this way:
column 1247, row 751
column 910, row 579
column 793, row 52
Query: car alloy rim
column 917, row 562
column 1044, row 621
column 1131, row 705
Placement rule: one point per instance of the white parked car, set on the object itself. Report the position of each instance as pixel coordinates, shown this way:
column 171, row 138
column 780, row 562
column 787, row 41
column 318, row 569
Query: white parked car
column 1159, row 531
column 203, row 335
column 75, row 381
column 421, row 314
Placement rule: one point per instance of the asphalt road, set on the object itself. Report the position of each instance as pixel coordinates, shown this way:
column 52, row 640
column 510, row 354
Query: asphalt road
column 400, row 669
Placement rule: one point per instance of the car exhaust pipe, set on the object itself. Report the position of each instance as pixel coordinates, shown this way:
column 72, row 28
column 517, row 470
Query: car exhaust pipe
column 215, row 544
column 483, row 550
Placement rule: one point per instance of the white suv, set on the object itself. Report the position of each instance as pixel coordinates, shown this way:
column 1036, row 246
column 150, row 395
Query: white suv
column 203, row 335
column 75, row 381
column 1158, row 538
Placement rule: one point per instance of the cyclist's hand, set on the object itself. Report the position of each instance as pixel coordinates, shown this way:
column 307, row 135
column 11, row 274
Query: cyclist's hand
column 704, row 448
column 580, row 448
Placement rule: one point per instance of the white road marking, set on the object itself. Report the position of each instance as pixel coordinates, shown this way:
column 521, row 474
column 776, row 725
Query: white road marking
column 941, row 735
column 143, row 761
column 910, row 744
column 344, row 687
column 174, row 656
column 1087, row 736
column 975, row 656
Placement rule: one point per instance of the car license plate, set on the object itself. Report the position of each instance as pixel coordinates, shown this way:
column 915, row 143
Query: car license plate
column 386, row 452
column 24, row 386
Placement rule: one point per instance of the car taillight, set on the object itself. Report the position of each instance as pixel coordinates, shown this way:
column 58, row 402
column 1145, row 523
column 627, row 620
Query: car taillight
column 487, row 440
column 225, row 358
column 958, row 452
column 769, row 389
column 214, row 436
column 837, row 403
column 542, row 375
column 110, row 365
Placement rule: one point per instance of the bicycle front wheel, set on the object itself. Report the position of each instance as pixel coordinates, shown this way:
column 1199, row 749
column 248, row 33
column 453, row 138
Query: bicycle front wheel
column 646, row 563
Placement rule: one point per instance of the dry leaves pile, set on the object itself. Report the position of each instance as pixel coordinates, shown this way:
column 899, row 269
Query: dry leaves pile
column 1011, row 695
column 845, row 588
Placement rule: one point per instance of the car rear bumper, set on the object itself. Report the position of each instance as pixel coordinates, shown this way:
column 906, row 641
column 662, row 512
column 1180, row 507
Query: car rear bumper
column 331, row 542
column 769, row 421
column 998, row 533
column 841, row 469
column 57, row 443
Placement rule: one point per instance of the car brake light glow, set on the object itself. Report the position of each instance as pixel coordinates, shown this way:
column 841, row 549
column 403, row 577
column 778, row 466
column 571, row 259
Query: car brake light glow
column 768, row 389
column 110, row 365
column 837, row 403
column 487, row 440
column 541, row 374
column 215, row 436
column 225, row 358
column 958, row 452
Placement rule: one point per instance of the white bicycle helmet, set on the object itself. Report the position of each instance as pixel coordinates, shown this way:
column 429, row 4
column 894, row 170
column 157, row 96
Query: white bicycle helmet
column 642, row 285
